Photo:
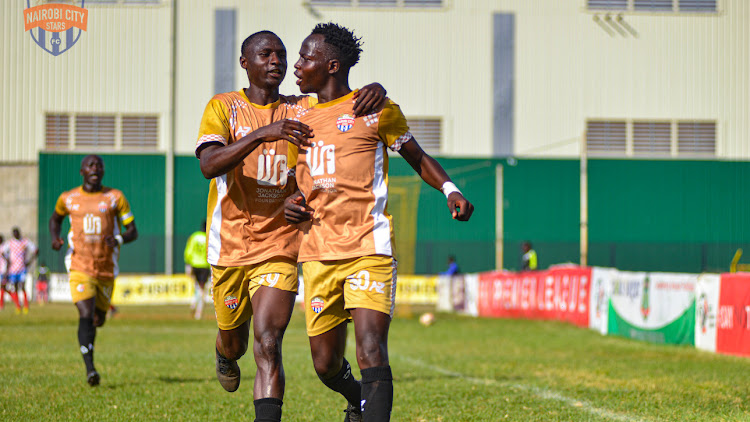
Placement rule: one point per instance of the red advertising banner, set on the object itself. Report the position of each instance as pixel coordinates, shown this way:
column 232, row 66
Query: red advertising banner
column 558, row 293
column 733, row 317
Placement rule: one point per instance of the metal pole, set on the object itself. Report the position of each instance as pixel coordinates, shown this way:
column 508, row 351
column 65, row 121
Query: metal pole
column 499, row 217
column 584, row 202
column 169, row 176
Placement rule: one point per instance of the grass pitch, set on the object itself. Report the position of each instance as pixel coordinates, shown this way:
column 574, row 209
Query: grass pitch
column 157, row 364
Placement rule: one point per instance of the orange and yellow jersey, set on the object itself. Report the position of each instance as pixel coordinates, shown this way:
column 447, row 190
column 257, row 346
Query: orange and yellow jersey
column 93, row 216
column 344, row 178
column 245, row 218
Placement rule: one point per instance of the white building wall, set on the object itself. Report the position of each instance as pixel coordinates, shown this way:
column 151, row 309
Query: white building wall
column 434, row 63
column 120, row 64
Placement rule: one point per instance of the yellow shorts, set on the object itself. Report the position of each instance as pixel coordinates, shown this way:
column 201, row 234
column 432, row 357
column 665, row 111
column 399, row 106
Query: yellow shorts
column 233, row 287
column 83, row 286
column 334, row 287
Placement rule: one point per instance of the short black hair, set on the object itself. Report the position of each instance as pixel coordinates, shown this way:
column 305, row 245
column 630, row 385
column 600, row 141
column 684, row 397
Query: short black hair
column 346, row 46
column 249, row 40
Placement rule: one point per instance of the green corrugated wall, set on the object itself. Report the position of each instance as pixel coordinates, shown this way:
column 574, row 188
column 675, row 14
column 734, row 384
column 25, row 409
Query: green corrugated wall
column 649, row 215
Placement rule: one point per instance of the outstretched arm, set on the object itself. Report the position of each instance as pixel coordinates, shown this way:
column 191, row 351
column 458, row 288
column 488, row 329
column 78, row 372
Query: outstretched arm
column 220, row 159
column 433, row 173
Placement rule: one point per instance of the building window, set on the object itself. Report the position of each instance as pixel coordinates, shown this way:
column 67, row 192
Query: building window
column 697, row 5
column 658, row 6
column 608, row 4
column 606, row 137
column 652, row 138
column 428, row 133
column 652, row 5
column 101, row 132
column 94, row 132
column 696, row 138
column 625, row 138
column 57, row 131
column 140, row 132
column 379, row 3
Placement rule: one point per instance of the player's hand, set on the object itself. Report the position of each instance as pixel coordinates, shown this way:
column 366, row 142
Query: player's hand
column 292, row 131
column 370, row 99
column 295, row 209
column 57, row 243
column 111, row 241
column 461, row 209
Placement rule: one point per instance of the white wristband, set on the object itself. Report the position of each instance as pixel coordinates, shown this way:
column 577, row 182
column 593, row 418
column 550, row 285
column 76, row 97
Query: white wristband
column 448, row 188
column 119, row 239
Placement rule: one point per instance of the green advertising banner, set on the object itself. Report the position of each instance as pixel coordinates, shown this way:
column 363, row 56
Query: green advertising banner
column 655, row 307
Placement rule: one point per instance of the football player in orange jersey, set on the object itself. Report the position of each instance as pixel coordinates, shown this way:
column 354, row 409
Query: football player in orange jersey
column 96, row 214
column 242, row 147
column 346, row 254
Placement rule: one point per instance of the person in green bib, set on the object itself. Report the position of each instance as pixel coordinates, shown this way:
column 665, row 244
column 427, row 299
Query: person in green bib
column 197, row 266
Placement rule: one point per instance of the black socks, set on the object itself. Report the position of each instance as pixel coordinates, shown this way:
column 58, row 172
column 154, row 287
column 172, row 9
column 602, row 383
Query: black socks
column 86, row 336
column 377, row 393
column 345, row 384
column 268, row 410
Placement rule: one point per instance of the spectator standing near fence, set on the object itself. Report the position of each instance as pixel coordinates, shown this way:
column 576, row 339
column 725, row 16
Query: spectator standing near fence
column 197, row 267
column 528, row 258
column 19, row 252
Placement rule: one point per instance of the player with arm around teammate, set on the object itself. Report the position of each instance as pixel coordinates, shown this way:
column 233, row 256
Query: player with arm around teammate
column 243, row 148
column 347, row 250
column 96, row 213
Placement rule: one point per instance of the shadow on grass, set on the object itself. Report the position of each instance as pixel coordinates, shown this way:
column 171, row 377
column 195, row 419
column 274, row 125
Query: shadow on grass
column 184, row 380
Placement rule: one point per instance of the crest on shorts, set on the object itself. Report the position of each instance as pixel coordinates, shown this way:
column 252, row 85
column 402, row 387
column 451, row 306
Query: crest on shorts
column 80, row 288
column 231, row 302
column 55, row 27
column 345, row 122
column 317, row 304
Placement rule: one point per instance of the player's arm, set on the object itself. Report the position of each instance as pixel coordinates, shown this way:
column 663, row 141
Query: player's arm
column 369, row 99
column 130, row 234
column 433, row 173
column 55, row 223
column 295, row 208
column 217, row 159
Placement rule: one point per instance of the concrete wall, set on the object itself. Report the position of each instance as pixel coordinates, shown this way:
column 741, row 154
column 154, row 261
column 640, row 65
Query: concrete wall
column 19, row 199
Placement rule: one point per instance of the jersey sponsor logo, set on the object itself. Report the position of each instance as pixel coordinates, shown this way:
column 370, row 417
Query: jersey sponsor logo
column 317, row 304
column 361, row 281
column 92, row 224
column 272, row 168
column 55, row 28
column 323, row 159
column 231, row 302
column 345, row 122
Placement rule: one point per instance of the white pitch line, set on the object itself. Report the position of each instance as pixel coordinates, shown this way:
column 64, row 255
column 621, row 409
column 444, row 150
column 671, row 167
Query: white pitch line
column 539, row 392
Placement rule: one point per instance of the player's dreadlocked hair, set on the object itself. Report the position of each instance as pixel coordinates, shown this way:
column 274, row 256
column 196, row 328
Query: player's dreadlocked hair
column 345, row 44
column 249, row 40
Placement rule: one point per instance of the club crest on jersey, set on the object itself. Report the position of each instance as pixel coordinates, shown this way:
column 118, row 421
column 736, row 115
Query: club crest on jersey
column 231, row 302
column 345, row 122
column 317, row 304
column 102, row 206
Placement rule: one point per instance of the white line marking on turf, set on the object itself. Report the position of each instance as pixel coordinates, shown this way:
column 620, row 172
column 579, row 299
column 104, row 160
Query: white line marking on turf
column 539, row 392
